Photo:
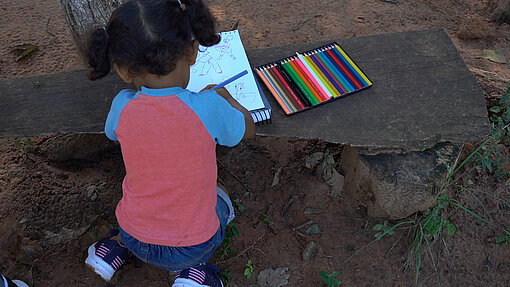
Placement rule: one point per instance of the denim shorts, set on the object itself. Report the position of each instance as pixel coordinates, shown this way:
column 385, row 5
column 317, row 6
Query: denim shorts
column 178, row 258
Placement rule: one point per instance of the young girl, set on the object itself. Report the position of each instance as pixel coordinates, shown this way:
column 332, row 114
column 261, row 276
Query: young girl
column 172, row 215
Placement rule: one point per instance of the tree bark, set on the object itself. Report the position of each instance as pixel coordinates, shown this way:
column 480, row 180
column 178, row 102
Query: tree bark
column 83, row 16
column 502, row 13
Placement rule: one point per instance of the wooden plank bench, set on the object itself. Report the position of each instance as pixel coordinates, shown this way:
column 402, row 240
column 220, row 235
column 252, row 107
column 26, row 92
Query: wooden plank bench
column 423, row 93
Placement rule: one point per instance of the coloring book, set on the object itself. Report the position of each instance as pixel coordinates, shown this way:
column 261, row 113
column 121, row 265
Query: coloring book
column 218, row 63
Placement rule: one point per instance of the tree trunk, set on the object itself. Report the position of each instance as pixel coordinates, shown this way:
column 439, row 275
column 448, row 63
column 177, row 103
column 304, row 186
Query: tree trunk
column 82, row 16
column 502, row 13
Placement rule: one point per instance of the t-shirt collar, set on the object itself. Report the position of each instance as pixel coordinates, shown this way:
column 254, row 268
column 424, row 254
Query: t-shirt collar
column 161, row 92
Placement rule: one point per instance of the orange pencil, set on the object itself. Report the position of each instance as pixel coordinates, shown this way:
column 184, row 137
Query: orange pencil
column 270, row 87
column 278, row 89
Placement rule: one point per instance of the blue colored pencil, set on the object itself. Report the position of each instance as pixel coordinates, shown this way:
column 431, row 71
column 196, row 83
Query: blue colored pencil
column 230, row 80
column 349, row 67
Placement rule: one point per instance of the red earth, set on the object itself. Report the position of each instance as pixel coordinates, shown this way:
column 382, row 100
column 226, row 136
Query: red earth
column 50, row 212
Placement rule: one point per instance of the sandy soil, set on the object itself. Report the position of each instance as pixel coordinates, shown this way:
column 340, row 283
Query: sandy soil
column 51, row 212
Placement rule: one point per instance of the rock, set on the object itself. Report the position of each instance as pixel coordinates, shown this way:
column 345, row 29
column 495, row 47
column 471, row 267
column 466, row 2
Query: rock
column 273, row 278
column 336, row 181
column 92, row 192
column 64, row 147
column 310, row 251
column 26, row 250
column 475, row 27
column 395, row 184
column 66, row 235
column 311, row 210
column 276, row 179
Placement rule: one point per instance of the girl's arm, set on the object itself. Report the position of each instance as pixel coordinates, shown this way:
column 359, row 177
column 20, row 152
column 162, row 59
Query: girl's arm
column 248, row 120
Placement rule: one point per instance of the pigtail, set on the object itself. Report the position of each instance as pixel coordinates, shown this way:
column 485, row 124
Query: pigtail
column 202, row 22
column 97, row 55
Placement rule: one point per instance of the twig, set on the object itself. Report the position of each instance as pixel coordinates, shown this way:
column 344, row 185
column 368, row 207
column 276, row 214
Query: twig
column 236, row 23
column 391, row 1
column 287, row 205
column 252, row 246
column 235, row 176
column 490, row 75
column 395, row 243
column 309, row 222
column 48, row 31
column 31, row 273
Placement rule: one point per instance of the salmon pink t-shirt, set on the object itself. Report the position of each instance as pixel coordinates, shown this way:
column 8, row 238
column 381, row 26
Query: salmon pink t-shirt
column 168, row 139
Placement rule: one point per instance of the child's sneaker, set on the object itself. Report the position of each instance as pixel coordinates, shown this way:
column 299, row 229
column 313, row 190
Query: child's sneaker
column 6, row 282
column 203, row 275
column 106, row 256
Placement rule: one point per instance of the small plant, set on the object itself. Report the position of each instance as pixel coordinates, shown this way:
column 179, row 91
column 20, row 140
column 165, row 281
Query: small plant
column 383, row 230
column 225, row 248
column 329, row 279
column 8, row 173
column 505, row 239
column 239, row 205
column 326, row 168
column 25, row 144
column 249, row 269
column 264, row 218
column 225, row 276
column 488, row 157
column 100, row 186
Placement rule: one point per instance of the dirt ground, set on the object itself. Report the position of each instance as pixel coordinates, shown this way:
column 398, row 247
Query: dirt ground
column 50, row 212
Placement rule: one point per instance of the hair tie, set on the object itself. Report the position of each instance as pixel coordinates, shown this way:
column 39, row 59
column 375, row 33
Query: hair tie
column 183, row 6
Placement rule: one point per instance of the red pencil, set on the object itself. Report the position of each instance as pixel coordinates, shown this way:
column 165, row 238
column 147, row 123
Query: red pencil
column 287, row 88
column 333, row 56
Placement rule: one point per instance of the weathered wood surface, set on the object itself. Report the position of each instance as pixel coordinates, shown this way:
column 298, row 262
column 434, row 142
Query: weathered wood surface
column 423, row 94
column 58, row 102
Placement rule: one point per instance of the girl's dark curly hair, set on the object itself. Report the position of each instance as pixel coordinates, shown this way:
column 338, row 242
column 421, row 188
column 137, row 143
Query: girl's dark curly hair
column 149, row 36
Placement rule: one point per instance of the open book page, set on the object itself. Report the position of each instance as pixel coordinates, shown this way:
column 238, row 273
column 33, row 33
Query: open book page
column 220, row 62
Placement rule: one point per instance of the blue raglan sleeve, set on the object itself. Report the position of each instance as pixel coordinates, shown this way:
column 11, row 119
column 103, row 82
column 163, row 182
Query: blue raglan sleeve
column 225, row 124
column 118, row 103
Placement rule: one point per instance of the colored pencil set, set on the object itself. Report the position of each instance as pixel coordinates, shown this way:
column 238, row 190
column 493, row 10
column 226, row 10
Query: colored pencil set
column 311, row 78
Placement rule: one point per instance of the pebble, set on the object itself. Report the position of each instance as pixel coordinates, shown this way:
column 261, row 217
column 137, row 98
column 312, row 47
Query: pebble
column 91, row 193
column 93, row 197
column 273, row 278
column 310, row 251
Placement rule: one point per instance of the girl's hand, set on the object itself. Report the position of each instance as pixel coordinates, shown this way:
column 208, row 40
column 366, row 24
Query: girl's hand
column 208, row 87
column 221, row 91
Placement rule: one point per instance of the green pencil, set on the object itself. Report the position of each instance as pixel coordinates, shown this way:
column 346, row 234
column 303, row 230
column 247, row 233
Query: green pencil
column 301, row 85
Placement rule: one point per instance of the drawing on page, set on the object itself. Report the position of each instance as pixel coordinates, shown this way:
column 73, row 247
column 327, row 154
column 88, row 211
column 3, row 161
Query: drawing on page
column 240, row 94
column 205, row 62
column 224, row 47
